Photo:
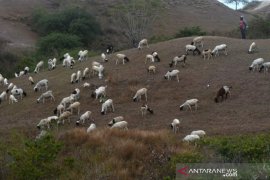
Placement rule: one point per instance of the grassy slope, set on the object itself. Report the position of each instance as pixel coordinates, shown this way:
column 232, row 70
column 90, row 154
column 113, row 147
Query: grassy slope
column 245, row 112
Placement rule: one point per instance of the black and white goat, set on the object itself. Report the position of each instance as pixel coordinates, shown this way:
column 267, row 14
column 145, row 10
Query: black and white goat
column 265, row 66
column 18, row 92
column 180, row 59
column 144, row 108
column 52, row 64
column 175, row 125
column 197, row 41
column 222, row 93
column 109, row 49
column 189, row 103
column 193, row 49
column 122, row 57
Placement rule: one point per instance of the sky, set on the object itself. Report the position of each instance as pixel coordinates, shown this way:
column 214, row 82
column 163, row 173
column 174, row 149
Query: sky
column 232, row 5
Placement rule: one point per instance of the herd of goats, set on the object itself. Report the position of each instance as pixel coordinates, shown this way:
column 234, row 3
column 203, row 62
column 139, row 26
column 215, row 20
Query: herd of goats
column 70, row 104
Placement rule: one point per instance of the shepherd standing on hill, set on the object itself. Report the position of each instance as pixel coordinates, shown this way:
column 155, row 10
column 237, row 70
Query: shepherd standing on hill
column 243, row 27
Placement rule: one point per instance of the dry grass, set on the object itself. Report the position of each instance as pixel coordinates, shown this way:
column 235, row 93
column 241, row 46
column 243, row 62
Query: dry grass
column 120, row 154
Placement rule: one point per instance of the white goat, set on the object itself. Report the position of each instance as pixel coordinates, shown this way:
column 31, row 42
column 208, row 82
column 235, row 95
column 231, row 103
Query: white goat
column 152, row 69
column 67, row 100
column 252, row 48
column 75, row 105
column 46, row 122
column 218, row 48
column 143, row 43
column 149, row 57
column 12, row 99
column 63, row 116
column 173, row 73
column 85, row 85
column 41, row 84
column 46, row 95
column 175, row 125
column 73, row 78
column 86, row 72
column 115, row 120
column 256, row 64
column 200, row 133
column 84, row 117
column 31, row 80
column 5, row 82
column 139, row 93
column 189, row 103
column 122, row 57
column 120, row 125
column 191, row 138
column 101, row 91
column 179, row 59
column 107, row 104
column 38, row 66
column 197, row 41
column 79, row 76
column 103, row 57
column 91, row 128
column 82, row 55
column 3, row 96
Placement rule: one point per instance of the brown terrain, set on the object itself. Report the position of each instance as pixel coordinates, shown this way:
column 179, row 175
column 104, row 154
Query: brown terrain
column 246, row 111
column 210, row 15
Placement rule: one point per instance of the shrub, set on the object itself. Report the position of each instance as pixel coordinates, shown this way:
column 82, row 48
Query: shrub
column 74, row 21
column 190, row 31
column 55, row 42
column 36, row 159
column 259, row 28
column 241, row 148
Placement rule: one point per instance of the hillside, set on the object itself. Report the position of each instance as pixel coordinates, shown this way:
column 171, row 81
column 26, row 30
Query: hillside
column 246, row 111
column 258, row 7
column 211, row 15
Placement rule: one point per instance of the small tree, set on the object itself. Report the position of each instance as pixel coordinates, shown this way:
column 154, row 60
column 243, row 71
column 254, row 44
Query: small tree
column 237, row 2
column 136, row 17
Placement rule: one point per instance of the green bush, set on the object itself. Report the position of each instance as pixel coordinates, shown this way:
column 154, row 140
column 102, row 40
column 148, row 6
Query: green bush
column 259, row 28
column 55, row 42
column 190, row 31
column 74, row 21
column 241, row 148
column 161, row 38
column 36, row 159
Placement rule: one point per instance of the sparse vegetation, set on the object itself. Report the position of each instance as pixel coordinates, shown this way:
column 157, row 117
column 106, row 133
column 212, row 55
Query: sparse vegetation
column 190, row 31
column 259, row 28
column 64, row 29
